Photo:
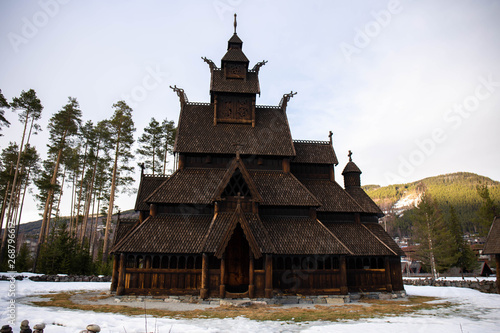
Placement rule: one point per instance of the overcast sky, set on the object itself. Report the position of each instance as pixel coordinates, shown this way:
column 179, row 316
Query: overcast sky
column 411, row 87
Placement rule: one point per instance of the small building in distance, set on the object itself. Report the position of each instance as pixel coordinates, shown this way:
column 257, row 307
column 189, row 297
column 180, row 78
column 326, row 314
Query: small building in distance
column 250, row 212
column 492, row 245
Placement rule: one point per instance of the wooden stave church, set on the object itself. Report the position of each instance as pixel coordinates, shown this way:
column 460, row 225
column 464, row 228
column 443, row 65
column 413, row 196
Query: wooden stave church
column 250, row 212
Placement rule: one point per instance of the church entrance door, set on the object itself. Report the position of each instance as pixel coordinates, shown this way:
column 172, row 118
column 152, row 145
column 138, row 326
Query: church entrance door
column 238, row 261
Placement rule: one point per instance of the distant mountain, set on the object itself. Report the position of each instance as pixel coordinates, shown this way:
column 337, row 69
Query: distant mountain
column 33, row 228
column 456, row 189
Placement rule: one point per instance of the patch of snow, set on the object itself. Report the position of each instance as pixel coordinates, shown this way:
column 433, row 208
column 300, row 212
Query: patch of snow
column 472, row 311
column 406, row 202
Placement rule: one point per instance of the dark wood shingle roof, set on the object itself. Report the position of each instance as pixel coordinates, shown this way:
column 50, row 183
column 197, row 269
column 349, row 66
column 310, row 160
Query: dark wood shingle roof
column 279, row 188
column 378, row 231
column 492, row 245
column 167, row 234
column 320, row 152
column 351, row 167
column 364, row 200
column 301, row 235
column 123, row 227
column 188, row 186
column 358, row 239
column 148, row 184
column 197, row 134
column 219, row 83
column 332, row 196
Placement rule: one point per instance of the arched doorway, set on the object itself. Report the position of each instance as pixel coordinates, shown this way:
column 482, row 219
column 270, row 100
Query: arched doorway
column 237, row 261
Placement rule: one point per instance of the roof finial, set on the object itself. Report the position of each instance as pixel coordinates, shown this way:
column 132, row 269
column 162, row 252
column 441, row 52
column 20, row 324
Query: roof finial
column 235, row 23
column 350, row 156
column 330, row 134
column 238, row 146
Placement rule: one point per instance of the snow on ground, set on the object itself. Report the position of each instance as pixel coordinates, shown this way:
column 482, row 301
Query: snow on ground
column 473, row 312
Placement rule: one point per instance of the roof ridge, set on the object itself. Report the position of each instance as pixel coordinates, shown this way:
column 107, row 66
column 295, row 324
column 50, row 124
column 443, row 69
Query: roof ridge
column 129, row 234
column 161, row 185
column 312, row 142
column 334, row 236
column 387, row 246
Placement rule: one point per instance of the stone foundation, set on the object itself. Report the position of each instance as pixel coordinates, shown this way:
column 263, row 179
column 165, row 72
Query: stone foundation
column 277, row 300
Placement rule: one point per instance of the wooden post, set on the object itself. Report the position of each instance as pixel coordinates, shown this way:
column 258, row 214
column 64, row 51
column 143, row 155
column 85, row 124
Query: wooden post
column 332, row 173
column 182, row 161
column 251, row 285
column 269, row 276
column 121, row 276
column 388, row 284
column 286, row 165
column 114, row 277
column 223, row 277
column 215, row 111
column 312, row 213
column 343, row 276
column 152, row 209
column 204, row 276
column 357, row 218
column 253, row 111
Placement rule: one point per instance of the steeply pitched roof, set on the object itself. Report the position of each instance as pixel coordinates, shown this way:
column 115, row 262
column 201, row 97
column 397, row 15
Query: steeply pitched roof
column 279, row 188
column 188, row 186
column 358, row 239
column 123, row 227
column 332, row 196
column 223, row 221
column 364, row 200
column 196, row 133
column 351, row 167
column 237, row 164
column 167, row 234
column 235, row 55
column 492, row 245
column 320, row 152
column 301, row 235
column 235, row 39
column 219, row 83
column 382, row 235
column 148, row 184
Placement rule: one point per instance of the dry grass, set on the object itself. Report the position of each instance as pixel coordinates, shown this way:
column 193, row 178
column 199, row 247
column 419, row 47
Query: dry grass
column 352, row 311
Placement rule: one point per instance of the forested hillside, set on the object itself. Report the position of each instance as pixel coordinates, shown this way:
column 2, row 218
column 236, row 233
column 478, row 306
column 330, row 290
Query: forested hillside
column 457, row 189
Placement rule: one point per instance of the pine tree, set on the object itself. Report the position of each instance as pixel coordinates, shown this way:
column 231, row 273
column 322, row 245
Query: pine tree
column 62, row 126
column 430, row 231
column 169, row 131
column 466, row 259
column 121, row 128
column 3, row 105
column 151, row 147
column 31, row 110
column 487, row 211
column 24, row 262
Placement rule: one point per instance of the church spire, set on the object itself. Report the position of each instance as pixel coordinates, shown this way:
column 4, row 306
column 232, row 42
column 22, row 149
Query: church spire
column 235, row 24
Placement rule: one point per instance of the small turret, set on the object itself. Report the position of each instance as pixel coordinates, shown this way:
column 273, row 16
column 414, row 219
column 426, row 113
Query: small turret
column 351, row 173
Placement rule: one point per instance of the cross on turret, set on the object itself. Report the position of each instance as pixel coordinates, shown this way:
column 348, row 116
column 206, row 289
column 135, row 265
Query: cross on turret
column 350, row 156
